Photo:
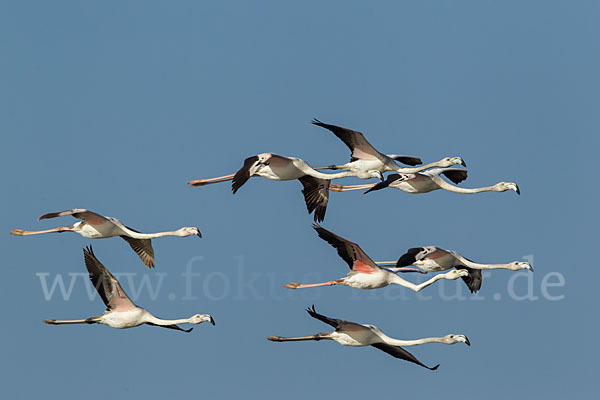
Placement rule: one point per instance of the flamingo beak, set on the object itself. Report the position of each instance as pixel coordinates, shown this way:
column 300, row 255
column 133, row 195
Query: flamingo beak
column 212, row 321
column 467, row 341
column 463, row 163
column 518, row 190
column 199, row 234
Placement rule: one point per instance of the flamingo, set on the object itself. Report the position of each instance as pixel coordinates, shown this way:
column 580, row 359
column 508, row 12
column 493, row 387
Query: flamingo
column 96, row 226
column 349, row 333
column 280, row 168
column 364, row 272
column 365, row 158
column 428, row 181
column 120, row 312
column 434, row 259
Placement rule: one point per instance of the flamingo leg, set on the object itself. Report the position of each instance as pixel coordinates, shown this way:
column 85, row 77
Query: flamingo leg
column 21, row 232
column 344, row 188
column 91, row 320
column 202, row 182
column 294, row 285
column 330, row 167
column 404, row 269
column 318, row 336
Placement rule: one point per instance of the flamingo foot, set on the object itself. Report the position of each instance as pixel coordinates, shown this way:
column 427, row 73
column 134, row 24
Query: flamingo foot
column 292, row 285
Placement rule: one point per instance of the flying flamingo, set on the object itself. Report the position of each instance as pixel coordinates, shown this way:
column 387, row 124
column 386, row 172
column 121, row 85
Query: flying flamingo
column 434, row 259
column 96, row 226
column 120, row 312
column 280, row 168
column 365, row 158
column 364, row 272
column 349, row 333
column 428, row 181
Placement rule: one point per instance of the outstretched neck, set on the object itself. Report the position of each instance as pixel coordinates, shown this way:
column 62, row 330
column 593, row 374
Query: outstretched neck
column 399, row 342
column 317, row 174
column 164, row 322
column 457, row 189
column 137, row 235
column 308, row 170
column 474, row 265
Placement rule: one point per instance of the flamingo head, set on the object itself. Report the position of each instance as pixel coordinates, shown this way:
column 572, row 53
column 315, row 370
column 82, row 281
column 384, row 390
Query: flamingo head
column 450, row 161
column 504, row 186
column 376, row 174
column 200, row 318
column 264, row 158
column 189, row 231
column 452, row 339
column 519, row 265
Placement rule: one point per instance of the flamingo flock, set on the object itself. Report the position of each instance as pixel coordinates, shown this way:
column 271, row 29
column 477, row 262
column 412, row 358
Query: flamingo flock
column 365, row 163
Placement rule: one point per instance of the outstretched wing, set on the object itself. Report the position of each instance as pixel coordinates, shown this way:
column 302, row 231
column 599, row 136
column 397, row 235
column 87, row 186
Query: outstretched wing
column 356, row 142
column 456, row 175
column 88, row 216
column 142, row 247
column 175, row 327
column 350, row 252
column 316, row 195
column 473, row 280
column 108, row 287
column 408, row 160
column 399, row 352
column 411, row 256
column 391, row 179
column 243, row 174
column 336, row 323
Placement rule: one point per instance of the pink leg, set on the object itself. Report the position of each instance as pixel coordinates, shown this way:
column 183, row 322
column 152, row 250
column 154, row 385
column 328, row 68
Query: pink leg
column 344, row 188
column 295, row 285
column 202, row 182
column 21, row 232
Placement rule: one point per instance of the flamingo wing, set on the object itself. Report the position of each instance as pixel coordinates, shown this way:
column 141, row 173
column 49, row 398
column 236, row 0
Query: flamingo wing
column 108, row 287
column 175, row 327
column 417, row 254
column 244, row 173
column 356, row 142
column 391, row 179
column 408, row 160
column 142, row 247
column 350, row 252
column 456, row 175
column 473, row 280
column 336, row 323
column 88, row 216
column 316, row 195
column 399, row 352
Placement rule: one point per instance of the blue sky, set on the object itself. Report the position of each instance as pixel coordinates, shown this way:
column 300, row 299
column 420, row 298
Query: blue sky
column 115, row 106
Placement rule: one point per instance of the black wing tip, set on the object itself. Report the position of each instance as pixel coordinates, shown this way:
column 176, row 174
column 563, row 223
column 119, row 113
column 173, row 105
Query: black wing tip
column 312, row 312
column 187, row 330
column 408, row 258
column 316, row 121
column 434, row 368
column 88, row 251
column 45, row 216
column 408, row 160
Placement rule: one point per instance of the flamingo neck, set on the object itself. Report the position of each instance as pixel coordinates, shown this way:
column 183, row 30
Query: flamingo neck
column 164, row 322
column 399, row 342
column 446, row 186
column 474, row 265
column 137, row 235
